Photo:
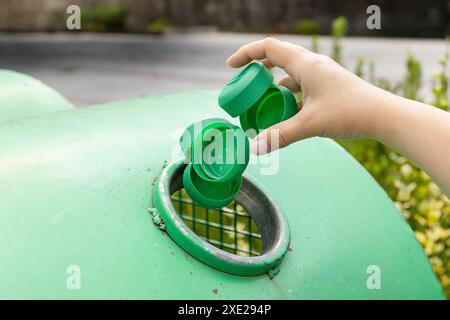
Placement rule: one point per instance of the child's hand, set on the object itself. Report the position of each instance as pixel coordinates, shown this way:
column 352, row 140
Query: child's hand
column 333, row 98
column 338, row 104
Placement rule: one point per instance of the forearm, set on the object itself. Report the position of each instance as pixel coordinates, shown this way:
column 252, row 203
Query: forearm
column 418, row 131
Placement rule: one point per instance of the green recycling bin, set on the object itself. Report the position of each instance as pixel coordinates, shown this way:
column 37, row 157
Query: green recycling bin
column 83, row 193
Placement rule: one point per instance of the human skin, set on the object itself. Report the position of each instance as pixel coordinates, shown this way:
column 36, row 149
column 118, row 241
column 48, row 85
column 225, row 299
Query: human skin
column 337, row 104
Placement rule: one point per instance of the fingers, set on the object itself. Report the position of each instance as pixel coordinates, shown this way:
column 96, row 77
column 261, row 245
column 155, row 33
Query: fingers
column 291, row 58
column 267, row 63
column 290, row 83
column 280, row 135
column 281, row 54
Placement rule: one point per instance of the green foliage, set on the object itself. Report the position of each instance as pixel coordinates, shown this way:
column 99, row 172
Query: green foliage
column 103, row 18
column 440, row 84
column 339, row 28
column 315, row 43
column 419, row 199
column 158, row 26
column 372, row 72
column 359, row 69
column 413, row 79
column 307, row 26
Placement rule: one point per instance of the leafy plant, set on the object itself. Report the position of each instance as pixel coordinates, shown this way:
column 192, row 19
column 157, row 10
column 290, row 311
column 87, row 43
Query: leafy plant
column 307, row 26
column 422, row 203
column 103, row 18
column 412, row 82
column 339, row 28
column 440, row 83
column 315, row 43
column 359, row 69
column 158, row 26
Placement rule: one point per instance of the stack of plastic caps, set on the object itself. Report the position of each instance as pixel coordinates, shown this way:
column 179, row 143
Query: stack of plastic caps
column 258, row 102
column 217, row 152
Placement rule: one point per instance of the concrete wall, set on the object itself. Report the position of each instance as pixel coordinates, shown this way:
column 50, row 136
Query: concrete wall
column 400, row 17
column 39, row 15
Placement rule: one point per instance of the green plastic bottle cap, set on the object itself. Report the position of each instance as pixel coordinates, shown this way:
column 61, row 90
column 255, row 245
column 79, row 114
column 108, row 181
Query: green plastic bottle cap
column 189, row 134
column 210, row 194
column 247, row 87
column 276, row 105
column 218, row 151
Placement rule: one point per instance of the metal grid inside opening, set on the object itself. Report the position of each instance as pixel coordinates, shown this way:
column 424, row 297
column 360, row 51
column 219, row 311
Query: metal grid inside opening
column 229, row 228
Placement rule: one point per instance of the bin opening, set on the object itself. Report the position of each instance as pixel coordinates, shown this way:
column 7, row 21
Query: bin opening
column 249, row 236
column 229, row 228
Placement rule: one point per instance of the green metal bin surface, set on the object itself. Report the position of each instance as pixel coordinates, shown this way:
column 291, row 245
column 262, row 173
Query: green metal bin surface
column 75, row 187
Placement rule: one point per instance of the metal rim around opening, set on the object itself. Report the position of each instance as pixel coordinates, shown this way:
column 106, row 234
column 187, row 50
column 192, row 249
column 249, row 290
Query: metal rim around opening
column 271, row 222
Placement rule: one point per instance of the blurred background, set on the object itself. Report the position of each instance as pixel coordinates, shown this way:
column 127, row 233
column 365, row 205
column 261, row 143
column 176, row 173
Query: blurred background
column 131, row 48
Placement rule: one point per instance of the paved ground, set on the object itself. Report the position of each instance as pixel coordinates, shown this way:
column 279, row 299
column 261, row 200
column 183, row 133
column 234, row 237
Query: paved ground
column 97, row 68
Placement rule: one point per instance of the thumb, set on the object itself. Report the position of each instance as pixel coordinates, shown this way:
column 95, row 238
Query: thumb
column 280, row 135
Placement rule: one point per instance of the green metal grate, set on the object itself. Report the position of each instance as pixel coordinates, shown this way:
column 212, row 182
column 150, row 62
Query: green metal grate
column 230, row 228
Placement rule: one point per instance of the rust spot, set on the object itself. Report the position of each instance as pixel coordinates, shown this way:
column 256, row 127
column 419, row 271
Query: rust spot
column 289, row 249
column 215, row 291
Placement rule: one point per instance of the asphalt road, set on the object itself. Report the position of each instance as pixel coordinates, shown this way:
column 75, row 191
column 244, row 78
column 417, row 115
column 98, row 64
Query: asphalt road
column 97, row 68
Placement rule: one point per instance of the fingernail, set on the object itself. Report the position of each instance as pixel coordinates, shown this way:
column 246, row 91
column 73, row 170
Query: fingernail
column 258, row 146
